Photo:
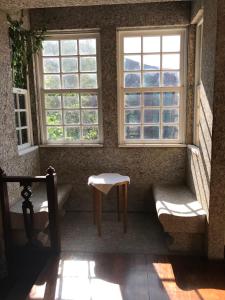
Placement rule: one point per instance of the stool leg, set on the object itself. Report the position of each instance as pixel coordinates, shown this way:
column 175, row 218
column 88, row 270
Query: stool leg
column 118, row 203
column 99, row 211
column 94, row 204
column 125, row 207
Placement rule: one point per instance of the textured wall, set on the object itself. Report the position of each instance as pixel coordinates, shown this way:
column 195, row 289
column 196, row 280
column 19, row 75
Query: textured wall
column 199, row 161
column 206, row 169
column 145, row 165
column 195, row 7
column 217, row 208
column 17, row 4
column 10, row 161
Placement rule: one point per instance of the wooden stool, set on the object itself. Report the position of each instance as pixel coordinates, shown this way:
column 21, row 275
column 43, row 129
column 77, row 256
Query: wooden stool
column 121, row 203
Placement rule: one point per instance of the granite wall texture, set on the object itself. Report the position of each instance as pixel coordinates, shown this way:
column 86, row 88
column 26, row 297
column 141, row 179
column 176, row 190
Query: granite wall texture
column 17, row 4
column 195, row 7
column 145, row 166
column 199, row 162
column 206, row 169
column 10, row 161
column 217, row 204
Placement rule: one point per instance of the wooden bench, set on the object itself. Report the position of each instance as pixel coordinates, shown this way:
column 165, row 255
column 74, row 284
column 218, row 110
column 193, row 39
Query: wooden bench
column 181, row 216
column 40, row 207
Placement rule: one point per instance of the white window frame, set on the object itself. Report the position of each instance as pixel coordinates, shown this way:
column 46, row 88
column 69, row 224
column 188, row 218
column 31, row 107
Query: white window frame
column 198, row 68
column 182, row 88
column 65, row 35
column 27, row 110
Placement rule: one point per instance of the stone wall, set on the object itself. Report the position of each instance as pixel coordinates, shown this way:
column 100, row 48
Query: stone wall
column 10, row 160
column 145, row 166
column 217, row 204
column 195, row 7
column 199, row 162
column 206, row 166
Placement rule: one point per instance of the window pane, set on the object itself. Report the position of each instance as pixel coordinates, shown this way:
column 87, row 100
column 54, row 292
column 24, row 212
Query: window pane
column 170, row 132
column 71, row 100
column 71, row 117
column 132, row 62
column 22, row 102
column 19, row 142
column 171, row 99
column 54, row 133
column 72, row 133
column 50, row 48
column 171, row 78
column 90, row 116
column 90, row 133
column 132, row 100
column 53, row 117
column 170, row 115
column 68, row 47
column 151, row 44
column 24, row 135
column 88, row 81
column 69, row 65
column 52, row 82
column 88, row 64
column 132, row 80
column 151, row 62
column 52, row 101
column 132, row 116
column 87, row 46
column 17, row 119
column 132, row 45
column 151, row 116
column 171, row 61
column 152, row 99
column 15, row 101
column 23, row 119
column 70, row 81
column 89, row 100
column 151, row 132
column 151, row 79
column 171, row 43
column 51, row 65
column 132, row 132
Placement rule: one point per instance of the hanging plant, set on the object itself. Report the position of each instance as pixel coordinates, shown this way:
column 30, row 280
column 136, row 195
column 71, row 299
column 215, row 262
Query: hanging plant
column 24, row 44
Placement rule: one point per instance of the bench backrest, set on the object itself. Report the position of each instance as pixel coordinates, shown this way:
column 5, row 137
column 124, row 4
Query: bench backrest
column 27, row 207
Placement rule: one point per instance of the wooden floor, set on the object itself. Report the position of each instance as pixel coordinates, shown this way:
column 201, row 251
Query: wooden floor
column 129, row 277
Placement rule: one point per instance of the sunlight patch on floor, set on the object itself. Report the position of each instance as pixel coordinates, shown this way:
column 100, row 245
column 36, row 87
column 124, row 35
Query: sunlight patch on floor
column 76, row 280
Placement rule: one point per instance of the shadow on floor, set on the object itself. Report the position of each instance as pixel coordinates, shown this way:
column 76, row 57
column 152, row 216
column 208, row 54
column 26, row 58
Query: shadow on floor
column 144, row 234
column 129, row 277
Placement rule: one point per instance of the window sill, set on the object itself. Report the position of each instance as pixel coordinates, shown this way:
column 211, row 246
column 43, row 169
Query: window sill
column 27, row 150
column 194, row 149
column 152, row 145
column 71, row 146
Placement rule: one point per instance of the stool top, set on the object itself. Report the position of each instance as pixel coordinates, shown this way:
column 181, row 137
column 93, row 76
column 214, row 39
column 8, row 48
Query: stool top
column 104, row 182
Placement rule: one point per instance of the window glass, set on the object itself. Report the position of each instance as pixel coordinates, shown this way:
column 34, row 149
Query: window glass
column 151, row 86
column 71, row 89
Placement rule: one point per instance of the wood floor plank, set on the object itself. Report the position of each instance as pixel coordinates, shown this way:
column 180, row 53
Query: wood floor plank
column 184, row 278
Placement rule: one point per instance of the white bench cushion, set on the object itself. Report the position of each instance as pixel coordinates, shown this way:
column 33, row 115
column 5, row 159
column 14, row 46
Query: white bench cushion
column 40, row 204
column 178, row 209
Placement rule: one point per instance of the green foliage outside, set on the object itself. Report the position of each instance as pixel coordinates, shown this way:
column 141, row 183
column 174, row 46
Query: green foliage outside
column 24, row 44
column 55, row 133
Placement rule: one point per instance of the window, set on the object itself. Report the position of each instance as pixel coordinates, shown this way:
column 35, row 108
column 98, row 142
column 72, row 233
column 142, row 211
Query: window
column 198, row 64
column 151, row 86
column 71, row 89
column 22, row 117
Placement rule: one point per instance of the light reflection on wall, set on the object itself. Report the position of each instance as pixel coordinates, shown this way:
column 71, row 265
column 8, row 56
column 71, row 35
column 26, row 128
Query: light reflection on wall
column 199, row 159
